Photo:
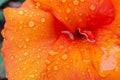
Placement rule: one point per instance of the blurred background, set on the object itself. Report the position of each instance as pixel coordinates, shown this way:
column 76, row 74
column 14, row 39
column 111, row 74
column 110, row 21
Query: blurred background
column 3, row 5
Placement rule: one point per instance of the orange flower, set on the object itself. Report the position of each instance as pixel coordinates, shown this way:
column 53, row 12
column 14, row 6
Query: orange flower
column 37, row 46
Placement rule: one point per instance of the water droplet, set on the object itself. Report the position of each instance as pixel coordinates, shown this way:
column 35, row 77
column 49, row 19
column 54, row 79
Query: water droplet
column 76, row 2
column 20, row 12
column 27, row 39
column 25, row 62
column 53, row 53
column 47, row 61
column 82, row 0
column 39, row 49
column 83, row 73
column 68, row 10
column 42, row 20
column 24, row 46
column 37, row 5
column 24, row 79
column 48, row 69
column 89, row 70
column 38, row 56
column 26, row 53
column 38, row 62
column 64, row 56
column 18, row 69
column 16, row 61
column 24, row 68
column 63, row 1
column 31, row 75
column 55, row 68
column 31, row 23
column 59, row 10
column 12, row 57
column 61, row 46
column 86, row 60
column 19, row 59
column 92, row 7
column 69, row 48
column 25, row 10
column 67, row 66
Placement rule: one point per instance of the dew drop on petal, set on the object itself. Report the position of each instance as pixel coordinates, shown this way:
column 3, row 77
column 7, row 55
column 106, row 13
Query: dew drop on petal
column 76, row 2
column 64, row 56
column 47, row 61
column 31, row 24
column 38, row 62
column 31, row 75
column 63, row 1
column 37, row 5
column 83, row 73
column 92, row 7
column 27, row 39
column 61, row 47
column 12, row 57
column 24, row 68
column 23, row 78
column 68, row 10
column 67, row 66
column 26, row 53
column 20, row 12
column 82, row 0
column 53, row 53
column 42, row 20
column 55, row 68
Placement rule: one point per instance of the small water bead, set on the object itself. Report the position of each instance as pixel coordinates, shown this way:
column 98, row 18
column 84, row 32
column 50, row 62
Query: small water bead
column 38, row 56
column 37, row 5
column 31, row 23
column 67, row 66
column 48, row 69
column 26, row 53
column 83, row 73
column 55, row 68
column 19, row 59
column 31, row 15
column 25, row 62
column 18, row 69
column 82, row 0
column 76, row 2
column 64, row 56
column 12, row 57
column 53, row 53
column 24, row 68
column 47, row 61
column 24, row 79
column 20, row 12
column 89, row 70
column 31, row 75
column 25, row 10
column 63, row 1
column 68, row 10
column 27, row 39
column 61, row 47
column 92, row 7
column 43, row 20
column 16, row 61
column 24, row 46
column 38, row 62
